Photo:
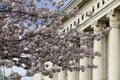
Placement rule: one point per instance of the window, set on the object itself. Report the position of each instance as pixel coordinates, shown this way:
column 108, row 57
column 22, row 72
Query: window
column 78, row 20
column 82, row 17
column 67, row 28
column 74, row 23
column 86, row 13
column 103, row 2
column 98, row 5
column 93, row 9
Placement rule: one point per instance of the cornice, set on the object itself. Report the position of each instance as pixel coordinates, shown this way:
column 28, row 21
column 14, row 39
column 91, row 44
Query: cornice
column 75, row 3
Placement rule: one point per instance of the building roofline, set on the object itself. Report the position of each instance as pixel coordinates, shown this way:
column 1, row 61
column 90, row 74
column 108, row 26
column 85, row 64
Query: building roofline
column 67, row 5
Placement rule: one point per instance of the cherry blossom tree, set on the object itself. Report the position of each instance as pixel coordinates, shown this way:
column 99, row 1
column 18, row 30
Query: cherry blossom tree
column 32, row 36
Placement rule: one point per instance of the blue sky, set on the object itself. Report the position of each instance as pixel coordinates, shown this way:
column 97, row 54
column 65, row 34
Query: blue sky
column 21, row 70
column 51, row 7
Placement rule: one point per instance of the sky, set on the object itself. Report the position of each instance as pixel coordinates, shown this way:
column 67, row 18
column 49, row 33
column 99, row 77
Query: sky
column 44, row 1
column 19, row 69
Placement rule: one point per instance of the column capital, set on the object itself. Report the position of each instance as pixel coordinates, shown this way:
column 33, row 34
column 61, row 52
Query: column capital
column 113, row 15
column 110, row 13
column 114, row 18
column 94, row 24
column 98, row 25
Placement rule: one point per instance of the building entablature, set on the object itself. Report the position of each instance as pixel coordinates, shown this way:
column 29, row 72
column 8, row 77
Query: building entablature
column 90, row 13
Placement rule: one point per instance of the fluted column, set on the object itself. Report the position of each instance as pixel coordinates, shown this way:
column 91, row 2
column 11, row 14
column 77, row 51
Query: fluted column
column 55, row 77
column 98, row 74
column 71, row 75
column 38, row 76
column 62, row 75
column 84, row 75
column 114, row 47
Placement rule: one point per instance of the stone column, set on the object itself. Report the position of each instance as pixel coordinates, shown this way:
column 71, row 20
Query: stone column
column 84, row 75
column 105, row 51
column 114, row 47
column 98, row 74
column 62, row 75
column 90, row 70
column 55, row 77
column 71, row 75
column 38, row 76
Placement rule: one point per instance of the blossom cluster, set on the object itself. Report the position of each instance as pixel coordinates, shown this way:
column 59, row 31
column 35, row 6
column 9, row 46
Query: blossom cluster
column 35, row 46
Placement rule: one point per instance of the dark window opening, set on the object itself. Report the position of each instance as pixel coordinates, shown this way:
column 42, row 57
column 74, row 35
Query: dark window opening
column 93, row 9
column 86, row 13
column 82, row 17
column 74, row 23
column 98, row 5
column 78, row 20
column 103, row 2
column 67, row 28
